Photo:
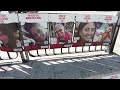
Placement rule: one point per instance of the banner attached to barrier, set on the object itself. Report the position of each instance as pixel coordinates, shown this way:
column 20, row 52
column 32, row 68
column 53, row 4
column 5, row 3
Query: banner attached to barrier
column 104, row 30
column 9, row 33
column 35, row 30
column 85, row 27
column 43, row 31
column 93, row 30
column 61, row 30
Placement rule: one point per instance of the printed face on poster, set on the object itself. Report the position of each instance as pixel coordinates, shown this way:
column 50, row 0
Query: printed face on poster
column 84, row 32
column 85, row 27
column 64, row 30
column 105, row 29
column 35, row 31
column 61, row 30
column 9, row 33
column 93, row 29
column 104, row 32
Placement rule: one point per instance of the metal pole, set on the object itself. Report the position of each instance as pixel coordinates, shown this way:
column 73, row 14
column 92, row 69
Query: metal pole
column 26, row 52
column 115, row 34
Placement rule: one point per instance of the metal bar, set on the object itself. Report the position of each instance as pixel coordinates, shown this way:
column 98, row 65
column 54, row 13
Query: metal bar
column 9, row 55
column 89, row 48
column 75, row 49
column 22, row 42
column 113, row 31
column 54, row 52
column 61, row 51
column 46, row 52
column 82, row 48
column 23, row 58
column 1, row 58
column 68, row 50
column 95, row 48
column 101, row 47
column 31, row 54
column 27, row 55
column 22, row 55
column 114, row 37
column 113, row 43
column 38, row 53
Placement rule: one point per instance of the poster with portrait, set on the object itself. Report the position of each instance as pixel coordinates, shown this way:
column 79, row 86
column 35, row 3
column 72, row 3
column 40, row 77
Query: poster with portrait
column 85, row 27
column 9, row 33
column 104, row 29
column 35, row 31
column 61, row 28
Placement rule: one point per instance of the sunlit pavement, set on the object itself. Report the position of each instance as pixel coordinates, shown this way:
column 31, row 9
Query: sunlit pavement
column 77, row 66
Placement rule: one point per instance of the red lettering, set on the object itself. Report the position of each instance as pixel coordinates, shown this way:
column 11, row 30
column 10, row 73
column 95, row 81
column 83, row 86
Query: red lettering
column 27, row 17
column 87, row 18
column 33, row 17
column 38, row 17
column 108, row 18
column 62, row 17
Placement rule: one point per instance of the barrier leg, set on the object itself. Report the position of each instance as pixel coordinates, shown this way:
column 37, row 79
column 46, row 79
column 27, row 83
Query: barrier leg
column 113, row 41
column 23, row 57
column 75, row 49
column 68, row 50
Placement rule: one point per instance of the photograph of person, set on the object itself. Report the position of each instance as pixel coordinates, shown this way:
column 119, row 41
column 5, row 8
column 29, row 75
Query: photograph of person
column 35, row 32
column 106, row 37
column 84, row 31
column 9, row 35
column 100, row 30
column 62, row 32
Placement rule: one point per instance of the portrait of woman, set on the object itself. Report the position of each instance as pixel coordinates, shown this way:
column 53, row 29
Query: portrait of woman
column 86, row 31
column 36, row 32
column 106, row 37
column 8, row 35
